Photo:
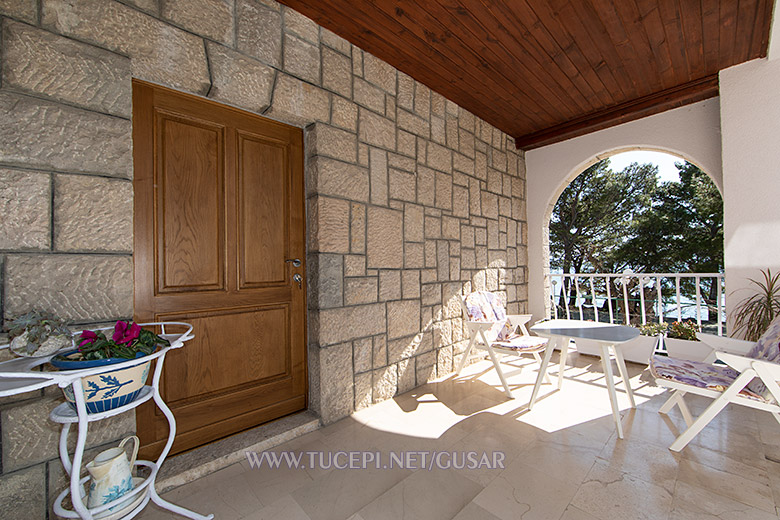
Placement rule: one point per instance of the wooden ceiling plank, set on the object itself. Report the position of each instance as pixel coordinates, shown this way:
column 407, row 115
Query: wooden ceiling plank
column 728, row 31
column 760, row 45
column 746, row 21
column 659, row 45
column 669, row 10
column 638, row 30
column 417, row 64
column 482, row 21
column 511, row 70
column 463, row 58
column 653, row 104
column 557, row 43
column 690, row 15
column 610, row 60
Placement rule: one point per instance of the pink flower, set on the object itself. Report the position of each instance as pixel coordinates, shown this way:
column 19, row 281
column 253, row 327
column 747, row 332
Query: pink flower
column 87, row 337
column 125, row 332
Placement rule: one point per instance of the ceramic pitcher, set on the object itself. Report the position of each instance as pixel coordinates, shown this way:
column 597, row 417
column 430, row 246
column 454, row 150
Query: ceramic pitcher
column 111, row 474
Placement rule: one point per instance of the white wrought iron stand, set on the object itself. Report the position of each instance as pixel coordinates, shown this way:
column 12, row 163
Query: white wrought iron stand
column 19, row 375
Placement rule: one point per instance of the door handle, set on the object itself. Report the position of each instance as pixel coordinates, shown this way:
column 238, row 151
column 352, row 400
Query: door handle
column 298, row 278
column 296, row 262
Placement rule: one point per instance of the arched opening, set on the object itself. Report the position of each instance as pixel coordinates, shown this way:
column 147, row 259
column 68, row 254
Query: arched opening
column 635, row 237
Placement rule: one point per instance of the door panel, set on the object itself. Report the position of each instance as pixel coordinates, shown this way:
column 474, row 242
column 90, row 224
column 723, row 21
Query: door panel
column 218, row 211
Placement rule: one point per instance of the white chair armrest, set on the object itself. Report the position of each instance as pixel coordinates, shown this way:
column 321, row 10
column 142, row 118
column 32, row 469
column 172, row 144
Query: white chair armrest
column 724, row 344
column 735, row 361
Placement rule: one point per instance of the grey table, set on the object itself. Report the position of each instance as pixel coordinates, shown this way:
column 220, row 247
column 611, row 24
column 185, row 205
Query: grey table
column 607, row 335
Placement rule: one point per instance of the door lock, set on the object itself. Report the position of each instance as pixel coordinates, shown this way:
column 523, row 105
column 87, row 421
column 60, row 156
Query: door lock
column 296, row 262
column 298, row 278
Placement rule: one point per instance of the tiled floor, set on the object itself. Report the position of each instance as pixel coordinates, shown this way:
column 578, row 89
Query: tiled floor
column 561, row 461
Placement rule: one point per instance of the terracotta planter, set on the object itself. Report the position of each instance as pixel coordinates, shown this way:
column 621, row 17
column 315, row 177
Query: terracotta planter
column 686, row 349
column 638, row 350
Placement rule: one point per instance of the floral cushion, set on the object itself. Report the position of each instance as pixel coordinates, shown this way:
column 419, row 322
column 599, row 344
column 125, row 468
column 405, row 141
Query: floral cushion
column 698, row 374
column 486, row 307
column 768, row 349
column 520, row 342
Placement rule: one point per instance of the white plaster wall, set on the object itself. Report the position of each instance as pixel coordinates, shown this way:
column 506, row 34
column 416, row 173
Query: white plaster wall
column 691, row 132
column 750, row 113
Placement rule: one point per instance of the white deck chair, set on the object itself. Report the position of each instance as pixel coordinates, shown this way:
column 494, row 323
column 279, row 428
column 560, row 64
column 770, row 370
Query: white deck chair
column 748, row 378
column 491, row 329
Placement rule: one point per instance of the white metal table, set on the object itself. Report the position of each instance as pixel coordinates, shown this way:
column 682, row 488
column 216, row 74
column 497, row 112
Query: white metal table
column 21, row 375
column 606, row 334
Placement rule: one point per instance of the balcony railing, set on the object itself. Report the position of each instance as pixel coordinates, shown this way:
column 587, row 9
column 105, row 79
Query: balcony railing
column 639, row 298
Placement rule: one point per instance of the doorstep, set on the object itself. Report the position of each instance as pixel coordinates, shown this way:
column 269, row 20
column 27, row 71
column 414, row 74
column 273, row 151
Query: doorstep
column 186, row 467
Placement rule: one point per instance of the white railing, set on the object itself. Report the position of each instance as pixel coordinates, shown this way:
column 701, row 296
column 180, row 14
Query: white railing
column 639, row 296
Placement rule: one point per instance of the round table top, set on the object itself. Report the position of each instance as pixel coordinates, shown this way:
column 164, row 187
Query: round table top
column 606, row 332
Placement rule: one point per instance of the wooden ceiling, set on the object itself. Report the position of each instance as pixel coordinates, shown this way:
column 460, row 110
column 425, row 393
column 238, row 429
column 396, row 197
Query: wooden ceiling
column 548, row 70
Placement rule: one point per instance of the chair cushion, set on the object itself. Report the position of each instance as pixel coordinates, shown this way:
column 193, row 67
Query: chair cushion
column 768, row 349
column 698, row 374
column 522, row 343
column 485, row 306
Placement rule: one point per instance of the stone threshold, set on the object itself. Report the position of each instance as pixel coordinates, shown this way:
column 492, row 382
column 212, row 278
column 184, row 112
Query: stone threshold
column 186, row 467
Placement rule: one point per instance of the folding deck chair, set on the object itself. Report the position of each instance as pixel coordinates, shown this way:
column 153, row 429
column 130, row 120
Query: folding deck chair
column 491, row 329
column 748, row 378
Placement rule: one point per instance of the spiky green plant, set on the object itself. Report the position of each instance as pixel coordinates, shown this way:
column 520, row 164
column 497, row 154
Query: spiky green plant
column 754, row 314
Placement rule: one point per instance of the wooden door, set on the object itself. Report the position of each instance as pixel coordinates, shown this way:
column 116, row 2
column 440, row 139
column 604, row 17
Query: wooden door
column 219, row 211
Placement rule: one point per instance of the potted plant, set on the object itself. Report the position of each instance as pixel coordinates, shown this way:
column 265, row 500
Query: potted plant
column 38, row 334
column 113, row 388
column 681, row 341
column 754, row 314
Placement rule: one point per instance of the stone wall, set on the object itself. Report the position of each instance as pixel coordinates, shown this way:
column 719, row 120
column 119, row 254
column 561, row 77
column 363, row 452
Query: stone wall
column 411, row 200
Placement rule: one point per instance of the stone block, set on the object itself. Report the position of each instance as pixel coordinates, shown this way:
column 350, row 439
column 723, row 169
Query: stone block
column 405, row 96
column 460, row 201
column 439, row 158
column 25, row 203
column 432, row 227
column 492, row 234
column 466, row 144
column 358, row 291
column 406, row 375
column 82, row 288
column 443, row 191
column 364, row 395
column 326, row 140
column 385, row 383
column 467, row 236
column 379, row 73
column 450, row 228
column 414, row 124
column 239, row 80
column 378, row 171
column 301, row 26
column 443, row 260
column 344, row 114
column 81, row 223
column 438, row 134
column 210, row 18
column 489, row 205
column 466, row 120
column 414, row 255
column 369, row 96
column 407, row 144
column 357, row 61
column 410, row 284
column 348, row 323
column 431, row 294
column 337, row 72
column 29, row 437
column 354, row 265
column 158, row 51
column 380, row 351
column 339, row 179
column 26, row 10
column 422, row 100
column 463, row 164
column 495, row 181
column 326, row 281
column 150, row 6
column 480, row 166
column 376, row 130
column 430, row 254
column 61, row 69
column 444, row 361
column 389, row 285
column 302, row 59
column 425, row 373
column 403, row 185
column 330, row 225
column 46, row 135
column 357, row 231
column 426, row 186
column 23, row 494
column 498, row 160
column 299, row 102
column 475, row 197
column 451, row 127
column 362, row 349
column 403, row 318
column 414, row 220
column 259, row 32
column 336, row 42
column 384, row 248
column 336, row 382
column 390, row 107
